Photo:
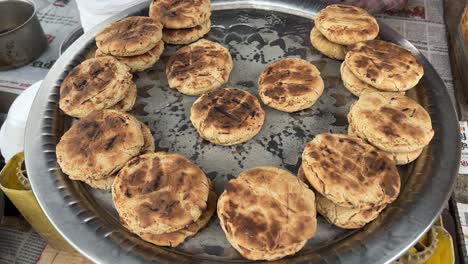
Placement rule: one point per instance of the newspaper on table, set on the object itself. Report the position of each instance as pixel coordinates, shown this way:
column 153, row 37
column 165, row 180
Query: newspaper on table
column 58, row 18
column 20, row 246
column 464, row 148
column 463, row 212
column 421, row 22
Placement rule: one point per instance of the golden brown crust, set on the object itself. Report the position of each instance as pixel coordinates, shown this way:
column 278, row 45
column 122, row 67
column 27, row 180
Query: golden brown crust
column 149, row 145
column 392, row 123
column 267, row 209
column 290, row 85
column 95, row 84
column 126, row 104
column 326, row 47
column 139, row 63
column 103, row 184
column 159, row 193
column 343, row 217
column 356, row 86
column 176, row 14
column 350, row 172
column 348, row 218
column 384, row 65
column 176, row 238
column 344, row 24
column 199, row 67
column 98, row 145
column 400, row 158
column 186, row 35
column 227, row 116
column 129, row 36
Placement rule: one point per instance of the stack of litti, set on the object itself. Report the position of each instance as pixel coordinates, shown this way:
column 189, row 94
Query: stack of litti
column 393, row 123
column 184, row 21
column 266, row 213
column 339, row 25
column 96, row 84
column 353, row 180
column 95, row 148
column 134, row 41
column 379, row 66
column 164, row 198
column 199, row 67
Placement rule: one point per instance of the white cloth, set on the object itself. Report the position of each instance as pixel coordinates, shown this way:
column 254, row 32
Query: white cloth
column 93, row 12
column 12, row 131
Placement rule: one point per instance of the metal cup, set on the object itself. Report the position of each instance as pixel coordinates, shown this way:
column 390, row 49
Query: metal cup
column 21, row 36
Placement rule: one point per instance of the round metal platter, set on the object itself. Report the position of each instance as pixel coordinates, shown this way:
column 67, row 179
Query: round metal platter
column 256, row 33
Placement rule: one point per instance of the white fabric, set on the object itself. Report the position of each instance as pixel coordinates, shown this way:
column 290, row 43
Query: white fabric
column 12, row 131
column 93, row 12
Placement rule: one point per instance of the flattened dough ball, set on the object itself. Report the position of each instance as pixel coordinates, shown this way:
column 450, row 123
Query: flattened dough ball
column 384, row 65
column 129, row 36
column 267, row 213
column 227, row 116
column 199, row 67
column 160, row 192
column 176, row 14
column 344, row 24
column 290, row 85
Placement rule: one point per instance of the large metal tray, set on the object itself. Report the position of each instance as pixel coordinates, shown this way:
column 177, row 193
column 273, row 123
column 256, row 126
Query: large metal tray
column 257, row 33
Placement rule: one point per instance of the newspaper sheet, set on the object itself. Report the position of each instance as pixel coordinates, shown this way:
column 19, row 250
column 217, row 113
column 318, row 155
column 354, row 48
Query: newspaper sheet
column 20, row 246
column 463, row 212
column 464, row 148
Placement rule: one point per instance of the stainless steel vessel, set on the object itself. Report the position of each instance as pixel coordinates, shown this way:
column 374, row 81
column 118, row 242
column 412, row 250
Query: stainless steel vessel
column 256, row 33
column 21, row 36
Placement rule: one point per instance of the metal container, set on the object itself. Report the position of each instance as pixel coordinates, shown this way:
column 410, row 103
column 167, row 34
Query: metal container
column 256, row 32
column 21, row 36
column 70, row 39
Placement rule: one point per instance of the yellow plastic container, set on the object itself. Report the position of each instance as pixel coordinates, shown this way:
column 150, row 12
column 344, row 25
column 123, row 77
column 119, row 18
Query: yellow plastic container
column 26, row 203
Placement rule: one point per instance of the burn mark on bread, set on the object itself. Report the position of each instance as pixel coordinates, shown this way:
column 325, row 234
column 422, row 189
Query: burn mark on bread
column 228, row 108
column 110, row 143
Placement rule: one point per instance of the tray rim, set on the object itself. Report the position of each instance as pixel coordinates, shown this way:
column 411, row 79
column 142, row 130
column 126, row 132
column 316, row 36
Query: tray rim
column 41, row 164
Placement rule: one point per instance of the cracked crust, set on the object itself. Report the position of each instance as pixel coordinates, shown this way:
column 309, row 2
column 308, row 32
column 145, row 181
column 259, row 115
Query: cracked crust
column 159, row 193
column 290, row 85
column 267, row 213
column 227, row 116
column 384, row 65
column 326, row 47
column 149, row 145
column 98, row 145
column 176, row 238
column 350, row 172
column 94, row 84
column 344, row 24
column 356, row 86
column 103, row 184
column 400, row 158
column 348, row 218
column 392, row 123
column 139, row 63
column 126, row 104
column 199, row 67
column 186, row 35
column 129, row 36
column 177, row 14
